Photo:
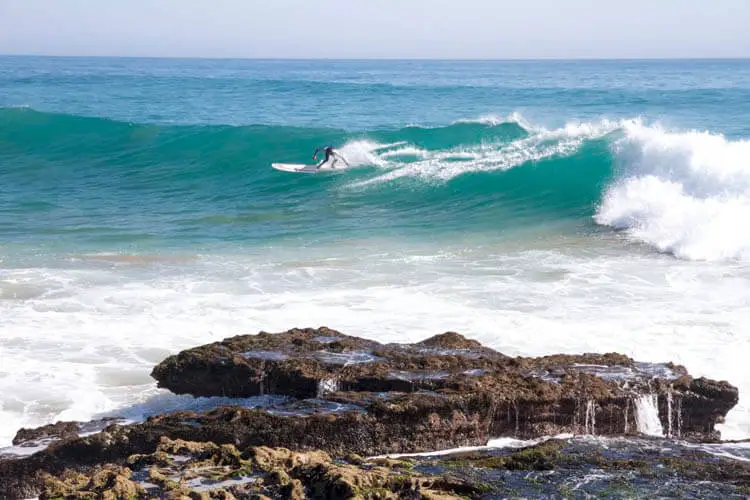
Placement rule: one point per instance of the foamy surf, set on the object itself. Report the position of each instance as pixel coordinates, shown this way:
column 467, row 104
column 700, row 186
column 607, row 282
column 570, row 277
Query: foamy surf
column 683, row 193
column 79, row 351
column 444, row 165
column 686, row 193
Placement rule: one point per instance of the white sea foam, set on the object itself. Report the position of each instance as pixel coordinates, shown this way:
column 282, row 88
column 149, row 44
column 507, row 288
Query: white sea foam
column 647, row 415
column 492, row 444
column 686, row 193
column 491, row 120
column 362, row 153
column 443, row 165
column 86, row 345
column 405, row 151
column 494, row 120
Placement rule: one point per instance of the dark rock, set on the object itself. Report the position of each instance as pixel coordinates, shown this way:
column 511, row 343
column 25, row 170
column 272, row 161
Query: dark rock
column 588, row 393
column 57, row 431
column 632, row 468
column 48, row 434
column 294, row 362
column 706, row 403
column 451, row 340
column 355, row 396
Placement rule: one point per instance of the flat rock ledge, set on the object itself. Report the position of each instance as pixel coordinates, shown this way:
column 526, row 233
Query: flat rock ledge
column 339, row 395
column 454, row 383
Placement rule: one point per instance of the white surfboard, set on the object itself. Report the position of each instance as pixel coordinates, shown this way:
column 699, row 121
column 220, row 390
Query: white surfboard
column 302, row 169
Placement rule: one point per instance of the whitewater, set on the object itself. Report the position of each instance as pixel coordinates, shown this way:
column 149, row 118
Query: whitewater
column 128, row 232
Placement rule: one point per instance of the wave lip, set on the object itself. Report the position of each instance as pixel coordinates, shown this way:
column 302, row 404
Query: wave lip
column 684, row 193
column 495, row 120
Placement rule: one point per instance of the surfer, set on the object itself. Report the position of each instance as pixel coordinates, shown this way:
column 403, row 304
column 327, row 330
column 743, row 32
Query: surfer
column 330, row 153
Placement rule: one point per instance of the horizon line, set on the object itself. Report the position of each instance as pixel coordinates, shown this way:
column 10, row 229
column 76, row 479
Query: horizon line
column 375, row 59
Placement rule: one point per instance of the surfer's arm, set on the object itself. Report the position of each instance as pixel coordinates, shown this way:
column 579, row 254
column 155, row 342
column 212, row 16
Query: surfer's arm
column 315, row 154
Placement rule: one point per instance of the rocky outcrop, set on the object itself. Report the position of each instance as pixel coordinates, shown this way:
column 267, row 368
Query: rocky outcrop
column 344, row 395
column 52, row 432
column 294, row 363
column 527, row 397
column 41, row 437
column 403, row 424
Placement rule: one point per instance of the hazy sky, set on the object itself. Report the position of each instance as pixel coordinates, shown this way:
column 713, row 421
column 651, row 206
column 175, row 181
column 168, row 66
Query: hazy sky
column 378, row 28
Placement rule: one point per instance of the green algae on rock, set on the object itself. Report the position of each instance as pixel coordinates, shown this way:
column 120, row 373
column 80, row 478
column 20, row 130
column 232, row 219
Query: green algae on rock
column 201, row 470
column 555, row 468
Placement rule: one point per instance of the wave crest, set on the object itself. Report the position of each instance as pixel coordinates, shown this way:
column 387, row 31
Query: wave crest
column 684, row 193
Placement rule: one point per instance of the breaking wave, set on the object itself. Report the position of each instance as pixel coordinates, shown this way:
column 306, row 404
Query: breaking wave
column 683, row 192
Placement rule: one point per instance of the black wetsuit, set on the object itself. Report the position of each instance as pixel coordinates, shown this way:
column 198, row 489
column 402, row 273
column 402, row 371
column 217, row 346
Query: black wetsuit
column 329, row 154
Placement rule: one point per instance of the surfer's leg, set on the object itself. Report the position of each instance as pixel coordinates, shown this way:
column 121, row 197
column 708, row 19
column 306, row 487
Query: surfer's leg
column 328, row 156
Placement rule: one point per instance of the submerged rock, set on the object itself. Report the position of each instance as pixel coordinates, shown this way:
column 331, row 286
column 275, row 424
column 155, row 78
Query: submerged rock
column 599, row 468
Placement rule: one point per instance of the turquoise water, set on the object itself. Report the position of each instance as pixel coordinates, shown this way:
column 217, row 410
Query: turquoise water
column 537, row 206
column 150, row 153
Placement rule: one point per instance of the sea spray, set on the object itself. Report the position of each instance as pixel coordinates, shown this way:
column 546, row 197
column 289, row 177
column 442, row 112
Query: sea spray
column 647, row 415
column 682, row 192
column 444, row 164
column 590, row 421
column 627, row 416
column 327, row 386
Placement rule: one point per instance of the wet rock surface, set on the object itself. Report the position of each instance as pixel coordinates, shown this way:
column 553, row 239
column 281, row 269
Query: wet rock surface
column 589, row 393
column 598, row 468
column 574, row 468
column 293, row 363
column 44, row 436
column 183, row 469
column 344, row 395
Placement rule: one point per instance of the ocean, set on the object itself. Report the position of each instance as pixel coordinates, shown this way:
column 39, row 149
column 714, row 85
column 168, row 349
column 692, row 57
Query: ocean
column 536, row 206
